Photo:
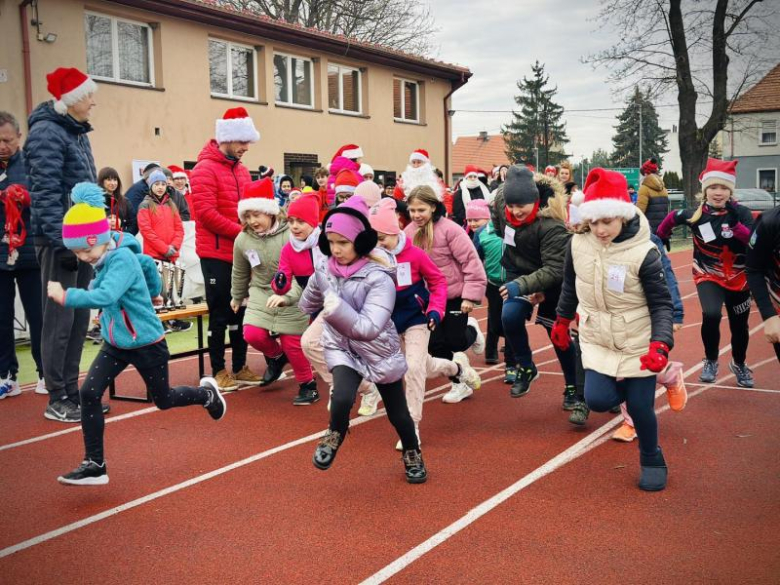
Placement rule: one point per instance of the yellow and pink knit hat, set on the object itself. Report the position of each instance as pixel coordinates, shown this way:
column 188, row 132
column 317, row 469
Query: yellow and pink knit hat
column 85, row 224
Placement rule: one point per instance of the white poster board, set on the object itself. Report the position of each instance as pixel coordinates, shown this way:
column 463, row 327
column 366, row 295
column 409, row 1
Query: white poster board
column 138, row 168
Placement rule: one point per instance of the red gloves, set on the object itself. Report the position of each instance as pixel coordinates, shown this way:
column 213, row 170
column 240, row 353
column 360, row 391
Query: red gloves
column 656, row 358
column 560, row 333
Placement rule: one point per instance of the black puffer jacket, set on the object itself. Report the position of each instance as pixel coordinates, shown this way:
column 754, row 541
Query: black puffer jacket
column 58, row 156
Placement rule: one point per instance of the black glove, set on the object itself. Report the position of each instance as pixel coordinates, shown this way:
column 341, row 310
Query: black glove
column 668, row 244
column 68, row 261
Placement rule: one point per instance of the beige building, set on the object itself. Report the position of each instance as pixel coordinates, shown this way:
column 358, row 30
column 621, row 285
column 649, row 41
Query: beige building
column 166, row 69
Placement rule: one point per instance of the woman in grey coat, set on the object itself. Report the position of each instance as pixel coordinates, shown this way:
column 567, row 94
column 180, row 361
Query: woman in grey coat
column 356, row 294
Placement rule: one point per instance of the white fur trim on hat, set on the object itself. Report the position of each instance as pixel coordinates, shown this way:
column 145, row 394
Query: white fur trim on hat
column 261, row 204
column 353, row 153
column 179, row 175
column 603, row 208
column 74, row 96
column 709, row 176
column 418, row 156
column 577, row 198
column 345, row 188
column 236, row 130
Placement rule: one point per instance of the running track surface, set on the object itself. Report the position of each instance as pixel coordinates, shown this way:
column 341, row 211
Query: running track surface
column 515, row 494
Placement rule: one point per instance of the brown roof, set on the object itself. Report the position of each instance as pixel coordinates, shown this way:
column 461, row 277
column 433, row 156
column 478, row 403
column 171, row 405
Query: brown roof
column 209, row 13
column 764, row 96
column 474, row 150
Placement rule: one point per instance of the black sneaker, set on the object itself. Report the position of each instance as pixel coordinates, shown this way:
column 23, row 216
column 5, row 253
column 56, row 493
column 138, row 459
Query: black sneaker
column 579, row 414
column 510, row 375
column 215, row 403
column 491, row 349
column 743, row 373
column 177, row 325
column 615, row 409
column 307, row 394
column 63, row 411
column 326, row 450
column 415, row 466
column 273, row 370
column 88, row 473
column 523, row 383
column 709, row 372
column 570, row 397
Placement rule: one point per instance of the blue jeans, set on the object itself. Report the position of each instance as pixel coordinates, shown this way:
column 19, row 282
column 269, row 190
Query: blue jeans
column 605, row 392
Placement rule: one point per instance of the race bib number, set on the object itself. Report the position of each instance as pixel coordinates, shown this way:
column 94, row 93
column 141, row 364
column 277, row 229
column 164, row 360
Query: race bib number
column 509, row 236
column 254, row 259
column 707, row 233
column 404, row 274
column 616, row 278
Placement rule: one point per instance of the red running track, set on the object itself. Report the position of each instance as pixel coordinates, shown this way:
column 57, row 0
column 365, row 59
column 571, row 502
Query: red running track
column 516, row 493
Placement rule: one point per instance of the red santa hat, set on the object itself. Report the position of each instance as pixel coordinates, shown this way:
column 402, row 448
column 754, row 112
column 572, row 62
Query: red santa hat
column 606, row 195
column 351, row 151
column 719, row 172
column 550, row 168
column 346, row 182
column 471, row 169
column 178, row 172
column 259, row 196
column 236, row 126
column 69, row 86
column 421, row 155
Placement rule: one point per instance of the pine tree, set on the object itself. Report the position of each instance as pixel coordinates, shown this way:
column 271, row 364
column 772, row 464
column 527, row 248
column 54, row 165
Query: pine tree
column 538, row 125
column 626, row 140
column 672, row 180
column 600, row 158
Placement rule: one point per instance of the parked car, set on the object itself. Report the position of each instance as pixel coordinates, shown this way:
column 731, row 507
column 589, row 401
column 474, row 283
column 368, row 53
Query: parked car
column 756, row 200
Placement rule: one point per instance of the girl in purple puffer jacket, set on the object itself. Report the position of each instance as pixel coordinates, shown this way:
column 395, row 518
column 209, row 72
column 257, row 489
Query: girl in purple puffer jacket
column 356, row 295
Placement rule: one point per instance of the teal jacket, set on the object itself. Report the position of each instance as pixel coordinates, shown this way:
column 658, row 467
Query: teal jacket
column 490, row 247
column 125, row 282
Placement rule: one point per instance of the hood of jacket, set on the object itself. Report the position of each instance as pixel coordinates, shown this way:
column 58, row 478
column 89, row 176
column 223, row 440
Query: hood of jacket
column 654, row 183
column 280, row 226
column 341, row 163
column 45, row 112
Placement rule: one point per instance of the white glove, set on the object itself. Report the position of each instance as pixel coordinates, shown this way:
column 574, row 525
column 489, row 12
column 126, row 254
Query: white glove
column 330, row 304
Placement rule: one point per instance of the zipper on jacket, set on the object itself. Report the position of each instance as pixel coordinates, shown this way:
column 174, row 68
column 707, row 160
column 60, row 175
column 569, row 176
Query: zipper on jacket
column 129, row 324
column 111, row 332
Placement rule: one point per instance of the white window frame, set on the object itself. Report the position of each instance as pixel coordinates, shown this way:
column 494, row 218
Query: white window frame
column 229, row 62
column 403, row 101
column 341, row 70
column 115, row 49
column 761, row 133
column 290, row 103
column 758, row 177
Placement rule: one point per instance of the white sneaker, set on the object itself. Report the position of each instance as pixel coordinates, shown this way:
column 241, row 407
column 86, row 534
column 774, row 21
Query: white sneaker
column 400, row 447
column 458, row 392
column 9, row 387
column 468, row 375
column 369, row 401
column 479, row 344
column 40, row 387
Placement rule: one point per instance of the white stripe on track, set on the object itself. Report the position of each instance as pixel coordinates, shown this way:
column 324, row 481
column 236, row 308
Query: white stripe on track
column 722, row 387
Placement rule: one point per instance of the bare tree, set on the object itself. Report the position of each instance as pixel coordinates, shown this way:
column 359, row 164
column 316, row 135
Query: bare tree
column 397, row 24
column 691, row 46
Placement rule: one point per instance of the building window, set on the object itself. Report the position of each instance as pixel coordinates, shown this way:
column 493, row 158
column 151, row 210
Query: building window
column 294, row 81
column 232, row 70
column 119, row 49
column 767, row 180
column 344, row 89
column 406, row 100
column 767, row 135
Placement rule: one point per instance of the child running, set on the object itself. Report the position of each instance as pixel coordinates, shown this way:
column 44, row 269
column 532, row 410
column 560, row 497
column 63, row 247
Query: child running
column 356, row 295
column 450, row 248
column 124, row 285
column 421, row 297
column 763, row 273
column 159, row 222
column 721, row 230
column 269, row 316
column 614, row 278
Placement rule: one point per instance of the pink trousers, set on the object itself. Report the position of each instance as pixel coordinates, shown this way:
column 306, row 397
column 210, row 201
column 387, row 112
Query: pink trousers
column 262, row 341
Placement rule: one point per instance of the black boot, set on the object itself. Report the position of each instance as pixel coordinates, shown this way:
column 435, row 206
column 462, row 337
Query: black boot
column 326, row 450
column 273, row 369
column 579, row 414
column 415, row 467
column 654, row 472
column 491, row 349
column 307, row 394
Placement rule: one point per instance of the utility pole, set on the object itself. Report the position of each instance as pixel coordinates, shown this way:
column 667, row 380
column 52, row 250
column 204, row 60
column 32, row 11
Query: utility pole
column 640, row 135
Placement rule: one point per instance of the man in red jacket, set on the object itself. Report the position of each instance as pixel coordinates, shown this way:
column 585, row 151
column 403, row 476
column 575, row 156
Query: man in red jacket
column 217, row 184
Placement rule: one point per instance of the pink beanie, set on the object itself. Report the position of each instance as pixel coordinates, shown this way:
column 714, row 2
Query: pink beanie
column 347, row 224
column 383, row 217
column 477, row 209
column 370, row 192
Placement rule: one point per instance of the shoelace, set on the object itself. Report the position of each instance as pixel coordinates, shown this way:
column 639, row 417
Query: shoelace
column 412, row 458
column 331, row 439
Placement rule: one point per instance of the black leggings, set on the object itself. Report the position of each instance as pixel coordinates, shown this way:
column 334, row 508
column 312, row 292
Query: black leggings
column 217, row 278
column 453, row 334
column 495, row 327
column 712, row 297
column 106, row 367
column 345, row 387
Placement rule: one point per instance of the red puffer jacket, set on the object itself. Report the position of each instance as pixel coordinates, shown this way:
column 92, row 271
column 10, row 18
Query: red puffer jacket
column 217, row 184
column 161, row 227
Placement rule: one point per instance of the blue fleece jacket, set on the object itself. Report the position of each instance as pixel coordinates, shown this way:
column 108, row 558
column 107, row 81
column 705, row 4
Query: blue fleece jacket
column 125, row 282
column 671, row 280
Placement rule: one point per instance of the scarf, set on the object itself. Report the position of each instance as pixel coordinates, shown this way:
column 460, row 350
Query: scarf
column 401, row 245
column 527, row 221
column 308, row 243
column 342, row 271
column 465, row 195
column 16, row 198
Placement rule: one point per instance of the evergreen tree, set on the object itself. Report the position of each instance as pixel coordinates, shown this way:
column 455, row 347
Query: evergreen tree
column 672, row 180
column 600, row 158
column 626, row 140
column 538, row 124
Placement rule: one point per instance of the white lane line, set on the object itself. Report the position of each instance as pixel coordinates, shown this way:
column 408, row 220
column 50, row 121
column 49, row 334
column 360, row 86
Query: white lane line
column 594, row 439
column 721, row 387
column 198, row 479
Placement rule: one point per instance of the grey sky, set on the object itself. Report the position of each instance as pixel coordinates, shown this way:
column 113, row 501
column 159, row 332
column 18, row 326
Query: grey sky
column 499, row 40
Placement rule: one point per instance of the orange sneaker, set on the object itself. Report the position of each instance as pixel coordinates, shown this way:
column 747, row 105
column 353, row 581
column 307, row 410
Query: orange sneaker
column 625, row 433
column 676, row 393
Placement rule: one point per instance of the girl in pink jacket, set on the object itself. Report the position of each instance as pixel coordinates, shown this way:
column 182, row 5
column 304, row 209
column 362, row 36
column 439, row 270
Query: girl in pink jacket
column 450, row 248
column 420, row 302
column 296, row 260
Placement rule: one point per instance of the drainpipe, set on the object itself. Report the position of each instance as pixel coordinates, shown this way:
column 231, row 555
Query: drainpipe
column 455, row 87
column 26, row 55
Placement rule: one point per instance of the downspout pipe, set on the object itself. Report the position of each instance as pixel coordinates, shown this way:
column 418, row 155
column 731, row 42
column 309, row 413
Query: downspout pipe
column 26, row 55
column 456, row 85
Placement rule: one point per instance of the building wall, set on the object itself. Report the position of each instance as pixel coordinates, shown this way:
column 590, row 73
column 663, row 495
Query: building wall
column 181, row 108
column 747, row 170
column 741, row 136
